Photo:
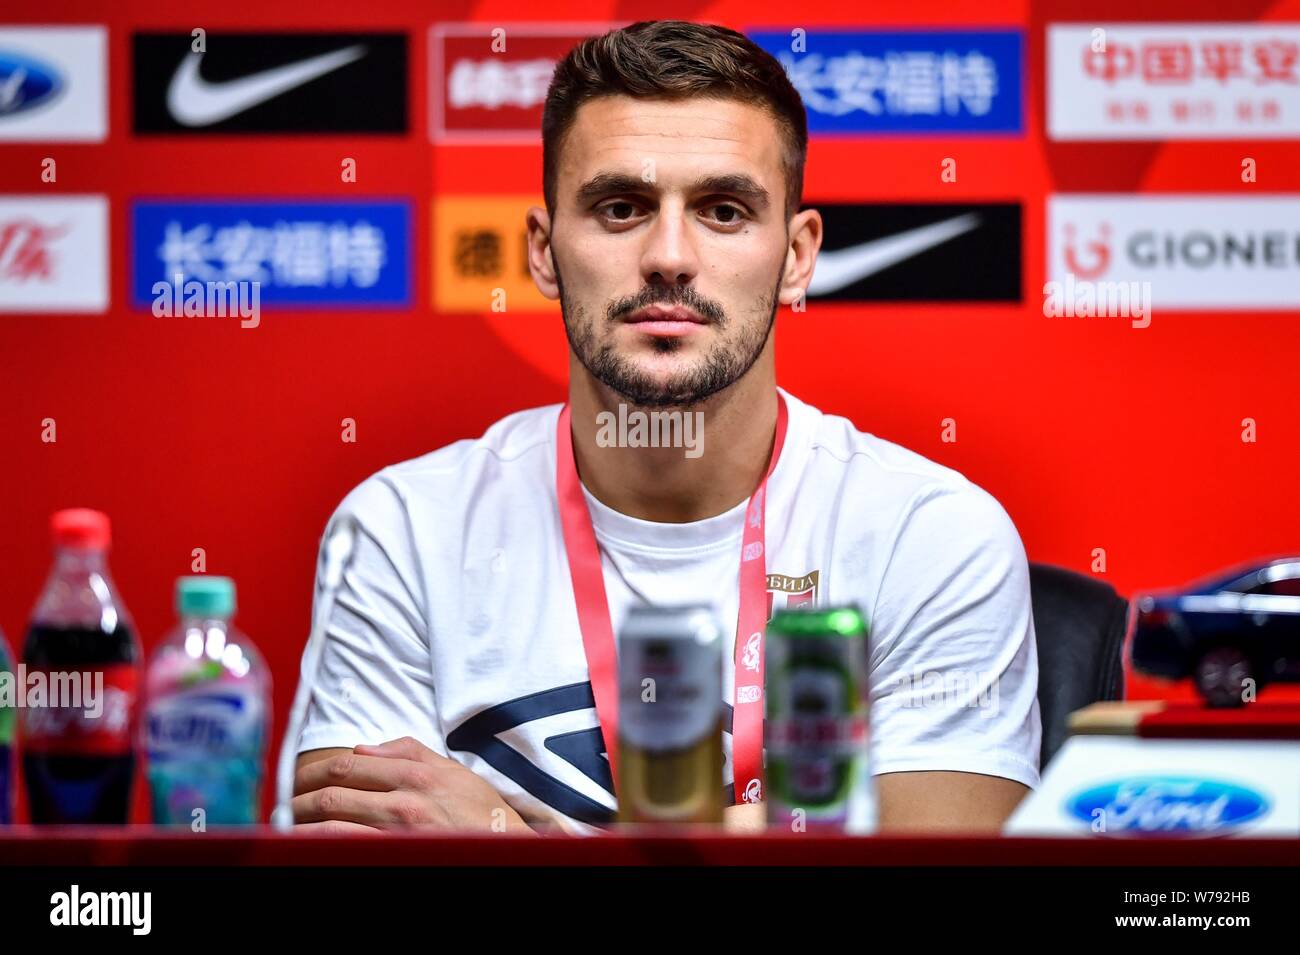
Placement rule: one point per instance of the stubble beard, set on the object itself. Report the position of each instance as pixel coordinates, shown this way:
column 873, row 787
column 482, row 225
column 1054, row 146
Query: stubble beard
column 723, row 365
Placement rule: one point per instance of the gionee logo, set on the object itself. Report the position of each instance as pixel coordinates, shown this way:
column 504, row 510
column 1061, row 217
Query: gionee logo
column 1098, row 249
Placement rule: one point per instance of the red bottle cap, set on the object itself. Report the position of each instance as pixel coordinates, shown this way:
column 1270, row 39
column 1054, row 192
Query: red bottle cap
column 81, row 527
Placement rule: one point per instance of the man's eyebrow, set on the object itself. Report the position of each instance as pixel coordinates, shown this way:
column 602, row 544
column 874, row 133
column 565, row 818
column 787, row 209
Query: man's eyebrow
column 608, row 184
column 736, row 184
column 612, row 183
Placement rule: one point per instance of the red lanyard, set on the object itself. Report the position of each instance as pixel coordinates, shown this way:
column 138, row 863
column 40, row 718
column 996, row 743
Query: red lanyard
column 598, row 633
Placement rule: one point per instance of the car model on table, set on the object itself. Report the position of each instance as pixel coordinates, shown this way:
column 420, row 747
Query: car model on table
column 1236, row 630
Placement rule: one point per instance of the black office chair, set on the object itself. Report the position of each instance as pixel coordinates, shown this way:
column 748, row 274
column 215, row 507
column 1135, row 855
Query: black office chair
column 1080, row 624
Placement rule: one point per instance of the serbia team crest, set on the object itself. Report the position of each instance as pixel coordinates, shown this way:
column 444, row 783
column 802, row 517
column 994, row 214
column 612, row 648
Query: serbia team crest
column 543, row 762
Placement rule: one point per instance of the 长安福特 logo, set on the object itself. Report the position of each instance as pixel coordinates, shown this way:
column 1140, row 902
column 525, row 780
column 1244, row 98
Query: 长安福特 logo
column 903, row 81
column 310, row 254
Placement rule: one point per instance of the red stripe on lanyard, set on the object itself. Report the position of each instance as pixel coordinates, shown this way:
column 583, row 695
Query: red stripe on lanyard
column 598, row 633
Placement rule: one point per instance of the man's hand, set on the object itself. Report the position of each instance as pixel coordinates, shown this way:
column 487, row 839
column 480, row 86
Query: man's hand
column 400, row 784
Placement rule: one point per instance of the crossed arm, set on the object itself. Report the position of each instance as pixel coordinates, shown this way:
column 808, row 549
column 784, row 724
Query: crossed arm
column 404, row 784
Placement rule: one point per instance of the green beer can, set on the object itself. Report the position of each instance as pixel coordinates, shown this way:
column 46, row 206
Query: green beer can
column 817, row 721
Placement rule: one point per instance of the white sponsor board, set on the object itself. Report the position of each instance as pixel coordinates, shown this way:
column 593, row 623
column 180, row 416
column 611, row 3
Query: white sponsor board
column 53, row 84
column 1126, row 787
column 1173, row 81
column 1198, row 251
column 53, row 254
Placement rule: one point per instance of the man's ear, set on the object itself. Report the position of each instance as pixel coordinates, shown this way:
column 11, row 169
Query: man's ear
column 801, row 256
column 540, row 263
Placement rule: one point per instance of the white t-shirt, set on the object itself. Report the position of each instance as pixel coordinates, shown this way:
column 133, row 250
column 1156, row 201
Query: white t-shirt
column 456, row 621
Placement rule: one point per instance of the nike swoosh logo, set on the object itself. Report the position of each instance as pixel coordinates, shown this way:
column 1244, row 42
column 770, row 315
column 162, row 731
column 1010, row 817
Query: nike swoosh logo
column 193, row 101
column 841, row 268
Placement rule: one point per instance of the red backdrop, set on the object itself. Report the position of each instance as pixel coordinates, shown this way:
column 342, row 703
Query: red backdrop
column 195, row 434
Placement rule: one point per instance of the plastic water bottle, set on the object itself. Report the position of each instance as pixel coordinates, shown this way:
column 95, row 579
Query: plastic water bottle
column 79, row 743
column 207, row 706
column 7, row 721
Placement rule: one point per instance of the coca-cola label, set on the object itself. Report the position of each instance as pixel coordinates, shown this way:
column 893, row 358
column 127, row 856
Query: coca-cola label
column 79, row 712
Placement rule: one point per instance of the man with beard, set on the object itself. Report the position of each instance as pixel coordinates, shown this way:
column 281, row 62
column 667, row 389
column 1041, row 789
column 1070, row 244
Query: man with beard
column 458, row 689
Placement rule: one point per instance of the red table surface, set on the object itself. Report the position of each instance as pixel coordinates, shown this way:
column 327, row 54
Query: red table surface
column 1182, row 720
column 28, row 846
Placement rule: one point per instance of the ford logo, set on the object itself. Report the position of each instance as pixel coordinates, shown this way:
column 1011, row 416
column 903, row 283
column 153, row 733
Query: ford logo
column 26, row 83
column 1167, row 804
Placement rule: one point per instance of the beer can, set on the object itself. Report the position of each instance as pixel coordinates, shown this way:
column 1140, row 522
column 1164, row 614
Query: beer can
column 817, row 721
column 670, row 716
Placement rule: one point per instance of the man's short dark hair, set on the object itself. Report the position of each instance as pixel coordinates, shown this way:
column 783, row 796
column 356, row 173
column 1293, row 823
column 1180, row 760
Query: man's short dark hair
column 673, row 59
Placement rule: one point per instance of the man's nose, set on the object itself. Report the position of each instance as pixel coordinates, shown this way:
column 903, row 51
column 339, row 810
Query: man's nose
column 669, row 256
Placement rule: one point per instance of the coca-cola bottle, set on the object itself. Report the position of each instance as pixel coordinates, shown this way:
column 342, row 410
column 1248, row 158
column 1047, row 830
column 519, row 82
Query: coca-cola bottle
column 81, row 650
